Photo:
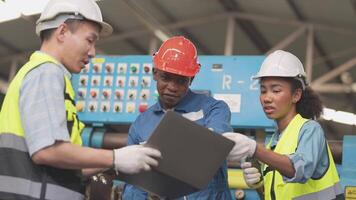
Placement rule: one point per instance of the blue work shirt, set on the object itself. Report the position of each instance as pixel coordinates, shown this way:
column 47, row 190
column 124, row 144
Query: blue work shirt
column 205, row 111
column 310, row 160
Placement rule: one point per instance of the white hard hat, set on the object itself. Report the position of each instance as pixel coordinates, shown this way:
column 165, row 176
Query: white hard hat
column 282, row 64
column 57, row 11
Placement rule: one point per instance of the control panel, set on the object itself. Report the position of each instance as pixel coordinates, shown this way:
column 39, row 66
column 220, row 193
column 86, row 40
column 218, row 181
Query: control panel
column 116, row 89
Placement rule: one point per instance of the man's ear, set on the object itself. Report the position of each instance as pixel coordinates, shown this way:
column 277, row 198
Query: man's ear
column 191, row 80
column 154, row 71
column 61, row 32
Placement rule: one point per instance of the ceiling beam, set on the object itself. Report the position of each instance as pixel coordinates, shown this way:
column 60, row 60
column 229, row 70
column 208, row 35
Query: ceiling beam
column 336, row 55
column 202, row 47
column 132, row 42
column 247, row 26
column 335, row 72
column 335, row 88
column 293, row 5
column 148, row 20
column 309, row 57
column 230, row 37
column 209, row 19
column 288, row 40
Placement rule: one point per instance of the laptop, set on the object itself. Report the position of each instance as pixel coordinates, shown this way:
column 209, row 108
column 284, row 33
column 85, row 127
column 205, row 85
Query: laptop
column 191, row 155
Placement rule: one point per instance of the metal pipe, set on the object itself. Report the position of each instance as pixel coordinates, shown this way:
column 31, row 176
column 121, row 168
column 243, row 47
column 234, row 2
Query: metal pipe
column 114, row 140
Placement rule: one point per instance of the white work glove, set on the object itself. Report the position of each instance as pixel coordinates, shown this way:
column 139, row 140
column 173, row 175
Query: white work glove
column 244, row 146
column 252, row 175
column 135, row 158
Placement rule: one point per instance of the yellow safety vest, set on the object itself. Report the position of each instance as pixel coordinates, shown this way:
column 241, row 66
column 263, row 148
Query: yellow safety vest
column 324, row 188
column 17, row 168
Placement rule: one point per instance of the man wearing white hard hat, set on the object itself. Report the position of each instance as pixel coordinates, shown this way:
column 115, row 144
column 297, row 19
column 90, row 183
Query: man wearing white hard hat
column 40, row 145
column 297, row 162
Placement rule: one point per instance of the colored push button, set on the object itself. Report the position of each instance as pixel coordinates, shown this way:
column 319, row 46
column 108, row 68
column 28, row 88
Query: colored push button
column 82, row 81
column 108, row 69
column 107, row 82
column 146, row 69
column 120, row 82
column 92, row 108
column 131, row 96
column 105, row 94
column 105, row 108
column 144, row 96
column 142, row 108
column 133, row 69
column 93, row 94
column 130, row 108
column 132, row 83
column 96, row 68
column 144, row 82
column 121, row 70
column 80, row 107
column 118, row 94
column 95, row 82
column 81, row 94
column 117, row 108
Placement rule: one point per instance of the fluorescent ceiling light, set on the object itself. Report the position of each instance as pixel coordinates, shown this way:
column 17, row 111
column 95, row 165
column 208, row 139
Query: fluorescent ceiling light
column 339, row 116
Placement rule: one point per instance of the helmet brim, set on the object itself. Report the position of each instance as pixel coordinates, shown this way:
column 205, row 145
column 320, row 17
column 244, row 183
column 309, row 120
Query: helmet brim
column 106, row 29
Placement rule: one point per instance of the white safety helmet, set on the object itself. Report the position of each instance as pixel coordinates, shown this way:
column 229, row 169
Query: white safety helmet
column 58, row 11
column 282, row 64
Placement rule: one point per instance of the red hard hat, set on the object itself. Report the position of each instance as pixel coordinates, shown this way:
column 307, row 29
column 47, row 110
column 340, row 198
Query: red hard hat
column 177, row 55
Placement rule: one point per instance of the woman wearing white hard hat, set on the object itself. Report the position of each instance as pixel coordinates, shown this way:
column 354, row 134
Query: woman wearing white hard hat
column 297, row 162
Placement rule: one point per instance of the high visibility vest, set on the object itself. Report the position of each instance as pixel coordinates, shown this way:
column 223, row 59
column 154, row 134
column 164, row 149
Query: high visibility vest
column 20, row 178
column 323, row 188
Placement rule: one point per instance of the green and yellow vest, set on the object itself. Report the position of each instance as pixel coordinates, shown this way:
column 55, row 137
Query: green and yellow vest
column 324, row 188
column 20, row 178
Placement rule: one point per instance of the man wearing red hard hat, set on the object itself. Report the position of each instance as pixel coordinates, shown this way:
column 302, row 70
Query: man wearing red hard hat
column 175, row 66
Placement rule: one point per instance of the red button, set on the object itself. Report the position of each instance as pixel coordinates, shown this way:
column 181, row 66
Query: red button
column 118, row 94
column 146, row 69
column 142, row 108
column 93, row 94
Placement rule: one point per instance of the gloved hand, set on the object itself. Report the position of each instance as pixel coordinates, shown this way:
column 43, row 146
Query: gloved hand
column 135, row 158
column 252, row 175
column 244, row 146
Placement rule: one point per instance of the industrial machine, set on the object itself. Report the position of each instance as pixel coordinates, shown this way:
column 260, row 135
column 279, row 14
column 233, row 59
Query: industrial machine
column 113, row 90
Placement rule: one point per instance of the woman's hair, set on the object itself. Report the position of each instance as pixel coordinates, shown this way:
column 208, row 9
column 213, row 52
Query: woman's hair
column 309, row 106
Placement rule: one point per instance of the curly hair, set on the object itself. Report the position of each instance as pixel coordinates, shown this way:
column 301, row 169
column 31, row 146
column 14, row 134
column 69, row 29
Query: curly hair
column 309, row 106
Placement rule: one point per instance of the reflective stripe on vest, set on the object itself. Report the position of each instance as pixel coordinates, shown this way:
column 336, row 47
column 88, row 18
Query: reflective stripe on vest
column 20, row 186
column 323, row 188
column 28, row 180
